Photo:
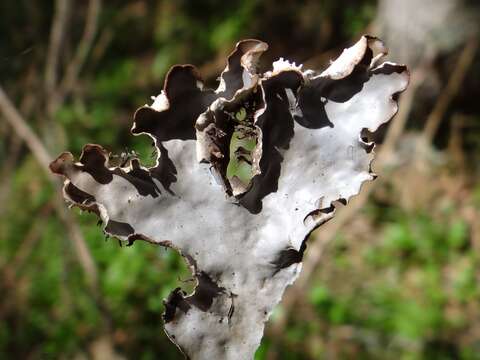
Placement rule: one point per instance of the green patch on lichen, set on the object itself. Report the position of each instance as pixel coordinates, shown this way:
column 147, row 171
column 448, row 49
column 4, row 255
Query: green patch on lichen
column 240, row 165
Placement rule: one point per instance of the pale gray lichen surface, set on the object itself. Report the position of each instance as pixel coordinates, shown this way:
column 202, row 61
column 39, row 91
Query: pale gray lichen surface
column 298, row 137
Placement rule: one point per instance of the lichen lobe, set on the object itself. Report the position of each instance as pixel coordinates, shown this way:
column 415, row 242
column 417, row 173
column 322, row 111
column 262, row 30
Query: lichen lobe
column 243, row 174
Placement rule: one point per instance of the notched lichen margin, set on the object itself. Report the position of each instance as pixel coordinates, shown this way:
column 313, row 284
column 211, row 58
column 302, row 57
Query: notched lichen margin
column 244, row 173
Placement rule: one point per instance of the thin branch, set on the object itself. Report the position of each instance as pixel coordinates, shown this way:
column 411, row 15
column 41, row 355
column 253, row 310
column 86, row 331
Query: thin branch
column 40, row 153
column 104, row 40
column 135, row 11
column 78, row 61
column 27, row 106
column 22, row 129
column 449, row 92
column 19, row 125
column 57, row 34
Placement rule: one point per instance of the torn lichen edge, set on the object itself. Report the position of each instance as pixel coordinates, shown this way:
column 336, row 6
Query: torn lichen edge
column 92, row 205
column 336, row 72
column 358, row 50
column 85, row 202
column 241, row 65
column 323, row 214
column 208, row 121
column 320, row 215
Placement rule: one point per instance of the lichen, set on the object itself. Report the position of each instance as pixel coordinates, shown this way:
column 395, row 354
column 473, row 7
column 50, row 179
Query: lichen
column 243, row 175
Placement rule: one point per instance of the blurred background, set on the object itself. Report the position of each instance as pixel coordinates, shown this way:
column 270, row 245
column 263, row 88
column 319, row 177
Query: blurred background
column 394, row 276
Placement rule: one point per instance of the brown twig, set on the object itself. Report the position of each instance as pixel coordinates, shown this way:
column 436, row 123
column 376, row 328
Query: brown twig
column 131, row 11
column 40, row 153
column 21, row 128
column 57, row 34
column 26, row 107
column 456, row 142
column 449, row 92
column 78, row 61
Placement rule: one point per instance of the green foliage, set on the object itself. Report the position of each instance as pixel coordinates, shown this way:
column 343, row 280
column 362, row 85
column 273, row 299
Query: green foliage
column 404, row 295
column 410, row 281
column 357, row 18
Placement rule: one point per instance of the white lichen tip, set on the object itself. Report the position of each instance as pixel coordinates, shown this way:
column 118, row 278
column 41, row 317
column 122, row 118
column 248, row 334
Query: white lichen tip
column 160, row 102
column 283, row 65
